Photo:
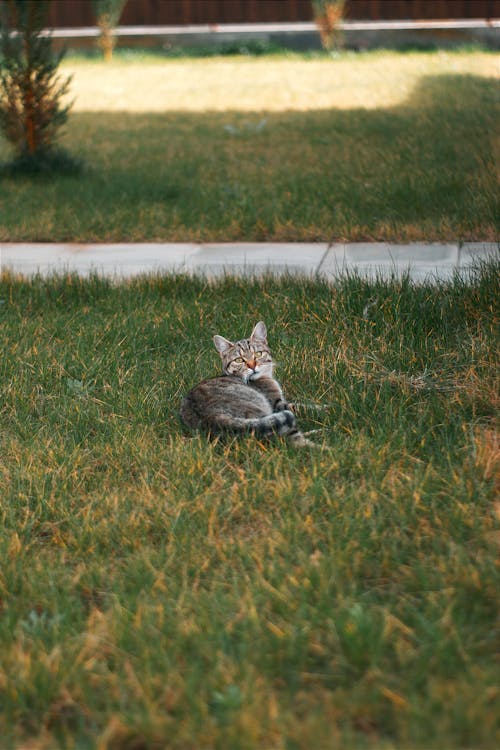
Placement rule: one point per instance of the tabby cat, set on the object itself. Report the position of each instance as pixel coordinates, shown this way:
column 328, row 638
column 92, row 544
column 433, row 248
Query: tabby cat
column 245, row 398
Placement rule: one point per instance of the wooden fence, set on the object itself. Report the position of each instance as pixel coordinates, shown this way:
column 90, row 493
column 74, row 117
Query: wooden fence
column 68, row 13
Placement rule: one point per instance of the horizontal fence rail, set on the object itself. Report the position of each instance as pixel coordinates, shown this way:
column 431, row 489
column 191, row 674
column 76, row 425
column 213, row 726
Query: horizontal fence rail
column 250, row 28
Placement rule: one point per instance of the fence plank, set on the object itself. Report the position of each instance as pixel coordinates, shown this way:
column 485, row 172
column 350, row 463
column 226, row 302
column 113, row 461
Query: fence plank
column 64, row 14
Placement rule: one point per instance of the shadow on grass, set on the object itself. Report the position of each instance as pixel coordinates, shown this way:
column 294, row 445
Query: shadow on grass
column 44, row 164
column 421, row 170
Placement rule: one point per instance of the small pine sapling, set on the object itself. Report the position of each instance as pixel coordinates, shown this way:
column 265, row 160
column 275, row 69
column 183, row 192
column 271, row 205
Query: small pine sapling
column 108, row 14
column 31, row 112
column 328, row 16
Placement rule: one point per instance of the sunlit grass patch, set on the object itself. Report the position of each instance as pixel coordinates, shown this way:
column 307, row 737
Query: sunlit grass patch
column 367, row 81
column 157, row 588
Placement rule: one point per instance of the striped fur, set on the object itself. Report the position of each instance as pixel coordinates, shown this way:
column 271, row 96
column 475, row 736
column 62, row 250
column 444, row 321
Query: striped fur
column 245, row 398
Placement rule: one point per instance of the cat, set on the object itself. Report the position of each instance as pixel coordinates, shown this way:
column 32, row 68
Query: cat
column 246, row 398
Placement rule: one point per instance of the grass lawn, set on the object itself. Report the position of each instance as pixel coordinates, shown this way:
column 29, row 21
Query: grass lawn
column 377, row 146
column 158, row 590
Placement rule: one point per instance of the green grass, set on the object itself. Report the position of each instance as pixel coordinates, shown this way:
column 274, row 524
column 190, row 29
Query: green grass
column 158, row 590
column 379, row 146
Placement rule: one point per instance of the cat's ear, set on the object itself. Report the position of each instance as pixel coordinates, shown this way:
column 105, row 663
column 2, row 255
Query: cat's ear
column 221, row 344
column 259, row 333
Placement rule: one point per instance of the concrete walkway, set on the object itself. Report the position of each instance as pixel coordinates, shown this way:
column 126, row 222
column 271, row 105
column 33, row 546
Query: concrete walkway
column 423, row 262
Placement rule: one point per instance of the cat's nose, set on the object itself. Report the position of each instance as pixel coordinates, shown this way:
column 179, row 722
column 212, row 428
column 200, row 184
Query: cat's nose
column 252, row 364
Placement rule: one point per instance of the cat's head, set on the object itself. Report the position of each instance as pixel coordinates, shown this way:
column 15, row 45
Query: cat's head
column 248, row 359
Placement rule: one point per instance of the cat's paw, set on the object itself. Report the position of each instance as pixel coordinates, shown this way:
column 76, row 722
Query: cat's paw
column 287, row 422
column 299, row 440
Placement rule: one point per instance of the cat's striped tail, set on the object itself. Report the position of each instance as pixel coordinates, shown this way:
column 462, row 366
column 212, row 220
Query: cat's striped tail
column 281, row 423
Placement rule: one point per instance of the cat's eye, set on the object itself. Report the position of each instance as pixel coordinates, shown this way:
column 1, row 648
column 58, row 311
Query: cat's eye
column 239, row 360
column 258, row 354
